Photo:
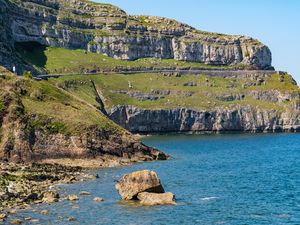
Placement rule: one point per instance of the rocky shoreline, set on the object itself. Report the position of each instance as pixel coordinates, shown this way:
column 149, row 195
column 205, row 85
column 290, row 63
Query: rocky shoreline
column 24, row 184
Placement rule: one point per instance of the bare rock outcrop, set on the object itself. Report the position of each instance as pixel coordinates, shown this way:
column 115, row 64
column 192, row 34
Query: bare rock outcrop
column 146, row 187
column 140, row 181
column 237, row 118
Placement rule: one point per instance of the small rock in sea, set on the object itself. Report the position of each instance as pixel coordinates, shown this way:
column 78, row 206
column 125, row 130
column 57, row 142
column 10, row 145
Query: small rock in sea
column 150, row 199
column 44, row 212
column 97, row 199
column 84, row 193
column 72, row 219
column 16, row 221
column 140, row 181
column 144, row 186
column 72, row 197
column 50, row 197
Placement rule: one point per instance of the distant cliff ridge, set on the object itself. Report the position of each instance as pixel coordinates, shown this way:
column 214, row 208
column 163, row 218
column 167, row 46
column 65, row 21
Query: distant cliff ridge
column 242, row 119
column 106, row 29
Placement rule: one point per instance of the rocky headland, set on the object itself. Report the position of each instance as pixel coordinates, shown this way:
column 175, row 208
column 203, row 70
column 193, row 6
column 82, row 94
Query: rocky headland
column 48, row 136
column 108, row 74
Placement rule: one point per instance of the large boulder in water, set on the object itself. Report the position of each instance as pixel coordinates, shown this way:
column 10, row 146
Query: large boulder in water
column 150, row 199
column 141, row 181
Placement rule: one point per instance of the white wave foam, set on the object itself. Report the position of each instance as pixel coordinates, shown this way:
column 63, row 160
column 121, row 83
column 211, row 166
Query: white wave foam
column 208, row 198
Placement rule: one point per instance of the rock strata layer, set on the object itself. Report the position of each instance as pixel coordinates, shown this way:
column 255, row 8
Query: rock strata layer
column 238, row 118
column 106, row 29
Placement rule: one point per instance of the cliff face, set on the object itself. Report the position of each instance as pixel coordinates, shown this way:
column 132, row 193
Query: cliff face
column 248, row 119
column 103, row 28
column 246, row 102
column 28, row 133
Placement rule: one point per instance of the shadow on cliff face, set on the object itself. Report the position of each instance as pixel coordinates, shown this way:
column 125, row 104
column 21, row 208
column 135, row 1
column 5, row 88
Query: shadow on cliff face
column 32, row 52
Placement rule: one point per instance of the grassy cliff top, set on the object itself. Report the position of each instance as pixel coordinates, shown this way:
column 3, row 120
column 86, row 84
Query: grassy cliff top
column 51, row 108
column 59, row 61
column 198, row 92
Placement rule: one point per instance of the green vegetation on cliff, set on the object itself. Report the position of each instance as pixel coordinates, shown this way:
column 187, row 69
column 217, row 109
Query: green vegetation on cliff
column 50, row 108
column 60, row 111
column 159, row 91
column 60, row 60
column 187, row 91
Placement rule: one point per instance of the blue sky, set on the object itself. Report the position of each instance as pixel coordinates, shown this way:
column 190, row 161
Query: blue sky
column 276, row 23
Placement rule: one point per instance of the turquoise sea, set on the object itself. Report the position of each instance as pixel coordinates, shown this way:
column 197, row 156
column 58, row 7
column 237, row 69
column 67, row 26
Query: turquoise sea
column 217, row 179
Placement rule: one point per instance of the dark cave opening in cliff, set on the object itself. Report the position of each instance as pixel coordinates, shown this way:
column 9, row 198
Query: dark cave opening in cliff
column 32, row 52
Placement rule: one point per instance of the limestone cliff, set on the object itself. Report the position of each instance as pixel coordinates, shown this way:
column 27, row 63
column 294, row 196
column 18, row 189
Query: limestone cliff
column 106, row 29
column 206, row 103
column 245, row 119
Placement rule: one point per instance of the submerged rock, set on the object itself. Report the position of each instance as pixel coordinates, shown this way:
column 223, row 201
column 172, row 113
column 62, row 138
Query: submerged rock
column 150, row 199
column 72, row 219
column 141, row 181
column 16, row 221
column 97, row 199
column 84, row 193
column 44, row 212
column 72, row 198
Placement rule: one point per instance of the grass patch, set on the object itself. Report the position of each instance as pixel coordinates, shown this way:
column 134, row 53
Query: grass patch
column 202, row 96
column 60, row 112
column 44, row 123
column 2, row 106
column 59, row 60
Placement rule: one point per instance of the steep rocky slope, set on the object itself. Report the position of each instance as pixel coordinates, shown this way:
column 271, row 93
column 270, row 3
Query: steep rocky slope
column 41, row 121
column 106, row 29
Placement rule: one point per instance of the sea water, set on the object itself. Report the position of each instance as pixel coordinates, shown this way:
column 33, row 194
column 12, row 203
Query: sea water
column 217, row 179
